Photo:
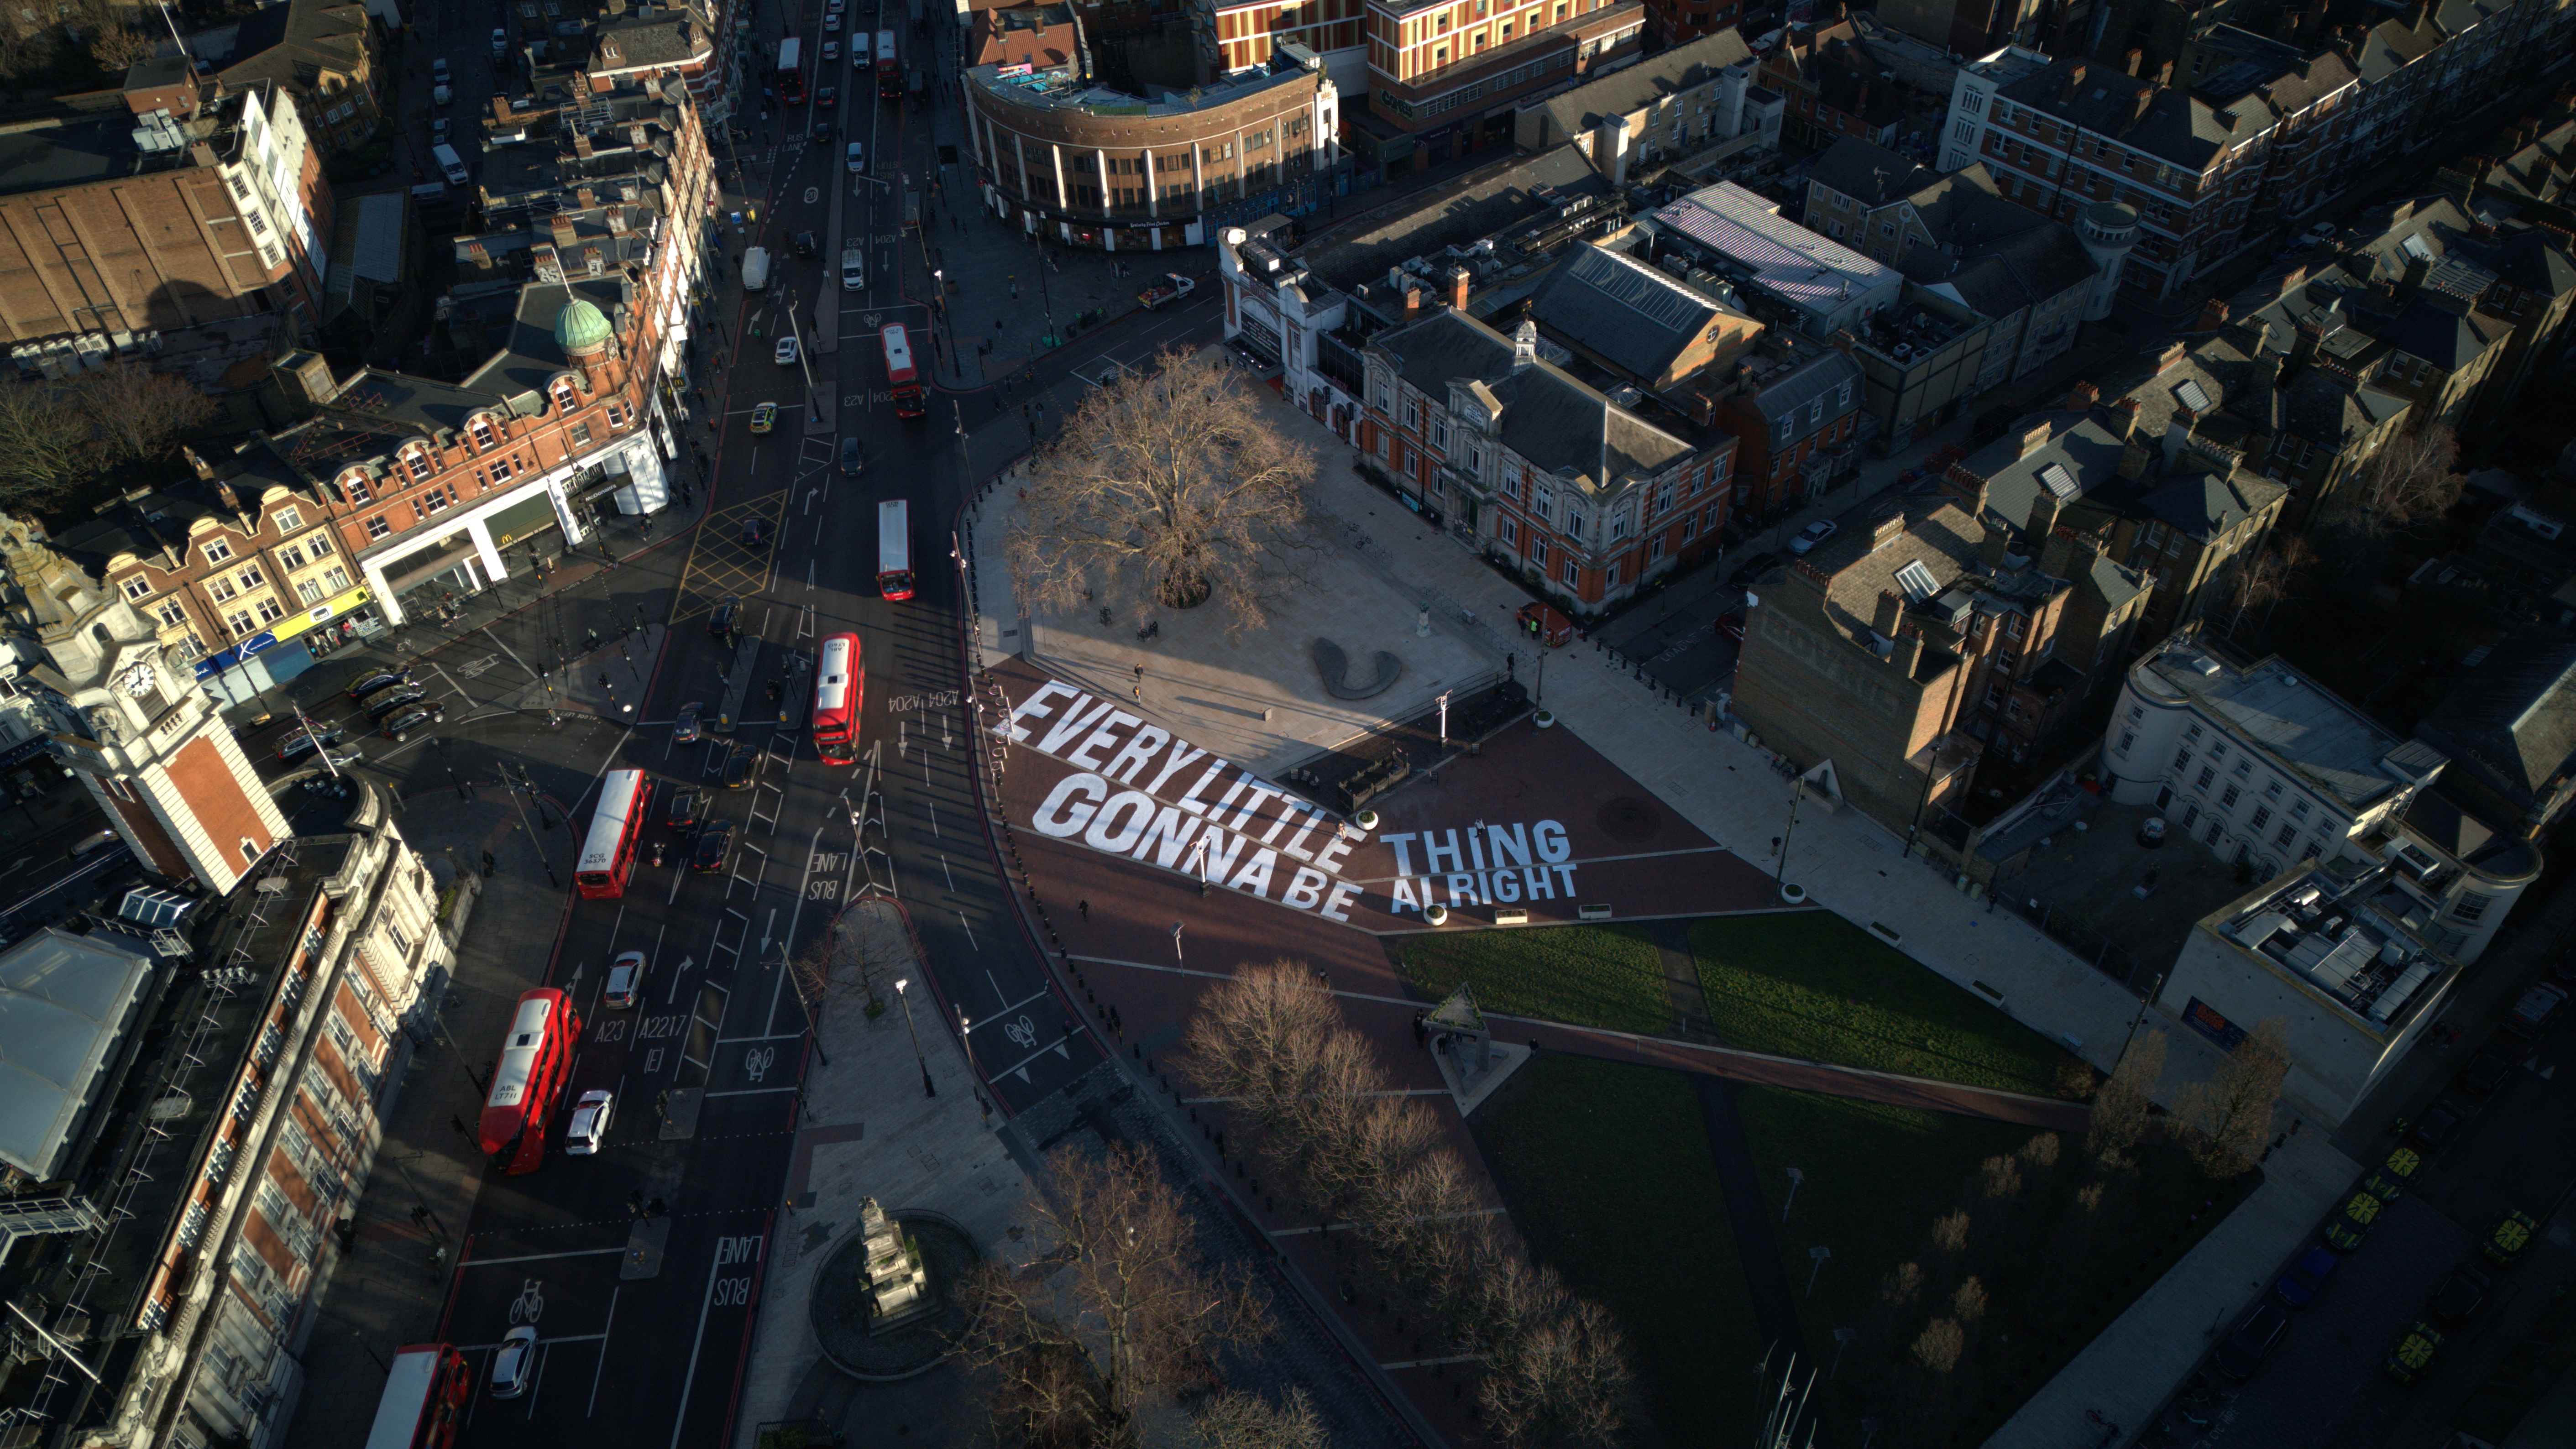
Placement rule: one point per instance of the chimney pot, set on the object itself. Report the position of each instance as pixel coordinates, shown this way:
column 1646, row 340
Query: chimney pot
column 1459, row 280
column 2213, row 314
column 2082, row 396
column 1891, row 613
column 2033, row 438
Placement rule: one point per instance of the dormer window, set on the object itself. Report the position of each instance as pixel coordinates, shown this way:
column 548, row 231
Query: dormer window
column 218, row 551
column 289, row 520
column 564, row 396
column 138, row 587
column 416, row 459
column 484, row 437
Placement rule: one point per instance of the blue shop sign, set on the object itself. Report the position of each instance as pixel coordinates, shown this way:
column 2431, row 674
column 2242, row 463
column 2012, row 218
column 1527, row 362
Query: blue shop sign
column 214, row 664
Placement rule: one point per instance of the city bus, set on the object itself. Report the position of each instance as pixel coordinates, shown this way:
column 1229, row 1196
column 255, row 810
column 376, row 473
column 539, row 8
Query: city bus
column 425, row 1394
column 608, row 853
column 894, row 549
column 910, row 399
column 535, row 1067
column 791, row 73
column 840, row 689
column 889, row 73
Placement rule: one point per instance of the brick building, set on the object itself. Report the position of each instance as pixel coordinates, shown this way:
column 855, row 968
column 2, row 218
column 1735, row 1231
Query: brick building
column 173, row 206
column 1446, row 69
column 327, row 54
column 1833, row 87
column 1695, row 100
column 1240, row 35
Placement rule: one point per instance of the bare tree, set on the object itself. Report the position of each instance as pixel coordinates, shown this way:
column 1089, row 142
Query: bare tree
column 1049, row 1394
column 99, row 26
column 2229, row 1117
column 2120, row 1109
column 1968, row 1300
column 1167, row 487
column 1260, row 1037
column 45, row 447
column 1556, row 1369
column 2275, row 574
column 2414, row 477
column 1140, row 1279
column 138, row 412
column 1237, row 1420
column 1940, row 1344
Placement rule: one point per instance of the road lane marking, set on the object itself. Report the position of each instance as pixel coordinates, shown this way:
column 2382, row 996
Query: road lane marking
column 721, row 1258
column 538, row 1257
column 603, row 1351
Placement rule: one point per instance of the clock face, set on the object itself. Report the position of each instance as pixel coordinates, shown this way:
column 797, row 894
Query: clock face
column 138, row 681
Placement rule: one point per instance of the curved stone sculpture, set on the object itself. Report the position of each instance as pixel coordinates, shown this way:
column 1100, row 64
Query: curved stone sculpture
column 1334, row 666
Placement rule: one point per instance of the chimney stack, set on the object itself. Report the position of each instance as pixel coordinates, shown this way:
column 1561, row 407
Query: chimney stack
column 1459, row 278
column 2057, row 554
column 2082, row 396
column 2170, row 359
column 1891, row 613
column 2126, row 413
column 2178, row 434
column 2043, row 515
column 2034, row 437
column 2137, row 60
column 1887, row 530
column 196, row 461
column 2213, row 315
column 2074, row 79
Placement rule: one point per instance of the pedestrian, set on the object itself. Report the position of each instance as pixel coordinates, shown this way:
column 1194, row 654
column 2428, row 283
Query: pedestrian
column 1139, row 692
column 1083, row 908
column 489, row 865
column 1421, row 1030
column 1140, row 674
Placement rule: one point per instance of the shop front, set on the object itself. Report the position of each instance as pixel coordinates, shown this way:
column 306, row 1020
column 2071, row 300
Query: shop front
column 458, row 556
column 278, row 654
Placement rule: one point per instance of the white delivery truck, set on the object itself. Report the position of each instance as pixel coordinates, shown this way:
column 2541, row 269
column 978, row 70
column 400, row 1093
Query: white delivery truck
column 755, row 269
column 854, row 269
column 449, row 163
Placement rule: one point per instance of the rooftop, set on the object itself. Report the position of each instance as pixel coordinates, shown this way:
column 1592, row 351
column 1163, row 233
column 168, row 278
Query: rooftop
column 2299, row 723
column 1630, row 315
column 2350, row 939
column 1781, row 257
column 1630, row 89
column 65, row 1001
column 1486, row 202
column 1064, row 87
column 2513, row 716
column 1550, row 417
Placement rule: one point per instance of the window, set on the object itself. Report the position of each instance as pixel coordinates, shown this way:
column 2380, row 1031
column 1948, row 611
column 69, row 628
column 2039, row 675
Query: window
column 1690, row 528
column 267, row 607
column 221, row 590
column 1412, row 415
column 138, row 587
column 2192, row 734
column 2262, row 817
column 1511, row 532
column 337, row 577
column 356, row 487
column 581, row 435
column 617, row 415
column 1538, row 552
column 288, row 520
column 292, row 556
column 218, row 551
column 2182, row 761
column 2471, row 905
column 309, row 590
column 318, row 547
column 2272, row 791
column 242, row 623
column 377, row 527
column 435, row 501
column 2288, row 834
column 415, row 459
column 1569, row 572
column 2298, row 809
column 481, row 428
column 171, row 615
column 2228, row 800
column 252, row 578
column 501, row 469
column 2245, row 768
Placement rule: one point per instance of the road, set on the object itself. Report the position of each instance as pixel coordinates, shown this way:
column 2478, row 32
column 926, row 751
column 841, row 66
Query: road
column 647, row 1348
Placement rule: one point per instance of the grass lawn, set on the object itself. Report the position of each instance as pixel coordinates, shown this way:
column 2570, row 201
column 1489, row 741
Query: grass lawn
column 1606, row 1170
column 1811, row 984
column 1876, row 1178
column 1589, row 975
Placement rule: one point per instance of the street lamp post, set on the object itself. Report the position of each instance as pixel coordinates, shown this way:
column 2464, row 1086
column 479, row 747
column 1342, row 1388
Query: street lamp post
column 1780, row 876
column 928, row 1088
column 1796, row 1177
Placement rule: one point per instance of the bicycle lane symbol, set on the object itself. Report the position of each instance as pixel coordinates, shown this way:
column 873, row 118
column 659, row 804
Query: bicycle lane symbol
column 1023, row 1033
column 530, row 1305
column 757, row 1062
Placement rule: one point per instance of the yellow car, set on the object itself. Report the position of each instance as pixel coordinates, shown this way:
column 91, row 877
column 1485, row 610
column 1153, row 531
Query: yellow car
column 2414, row 1353
column 763, row 416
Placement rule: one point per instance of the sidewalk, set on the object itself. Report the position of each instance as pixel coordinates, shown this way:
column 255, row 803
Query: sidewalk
column 1853, row 866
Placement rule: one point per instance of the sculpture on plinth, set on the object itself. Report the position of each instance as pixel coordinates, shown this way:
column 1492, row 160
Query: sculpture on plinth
column 898, row 1286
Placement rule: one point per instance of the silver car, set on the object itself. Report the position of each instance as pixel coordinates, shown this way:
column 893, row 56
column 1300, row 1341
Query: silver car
column 589, row 1123
column 514, row 1364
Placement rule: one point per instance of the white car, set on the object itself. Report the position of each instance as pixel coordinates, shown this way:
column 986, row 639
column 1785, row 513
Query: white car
column 438, row 130
column 500, row 41
column 832, row 21
column 1811, row 535
column 438, row 69
column 515, row 1362
column 831, row 52
column 625, row 977
column 858, row 158
column 589, row 1123
column 787, row 351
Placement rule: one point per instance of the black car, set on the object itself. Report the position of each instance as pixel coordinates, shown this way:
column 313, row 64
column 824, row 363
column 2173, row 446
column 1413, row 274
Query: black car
column 721, row 622
column 737, row 768
column 2486, row 1073
column 2438, row 1128
column 374, row 682
column 805, row 246
column 2462, row 1294
column 715, row 845
column 2257, row 1334
column 304, row 740
column 755, row 533
column 1754, row 568
column 850, row 461
column 688, row 810
column 413, row 718
column 386, row 701
column 826, row 97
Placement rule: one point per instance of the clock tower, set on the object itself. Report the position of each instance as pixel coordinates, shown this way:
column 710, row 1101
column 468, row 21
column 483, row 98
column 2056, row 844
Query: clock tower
column 139, row 733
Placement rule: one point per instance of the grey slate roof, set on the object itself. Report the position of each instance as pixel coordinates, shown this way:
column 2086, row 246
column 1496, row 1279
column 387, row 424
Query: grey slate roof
column 533, row 357
column 1548, row 416
column 1478, row 204
column 1869, row 173
column 2513, row 716
column 2173, row 124
column 1626, row 91
column 1619, row 309
column 1786, row 394
column 2307, row 727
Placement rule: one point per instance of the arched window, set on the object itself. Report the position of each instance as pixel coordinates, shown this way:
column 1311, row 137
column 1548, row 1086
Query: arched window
column 416, row 461
column 481, row 428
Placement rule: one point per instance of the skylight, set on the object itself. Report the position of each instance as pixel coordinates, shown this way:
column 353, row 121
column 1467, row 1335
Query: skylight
column 2058, row 480
column 2415, row 247
column 2193, row 395
column 1917, row 582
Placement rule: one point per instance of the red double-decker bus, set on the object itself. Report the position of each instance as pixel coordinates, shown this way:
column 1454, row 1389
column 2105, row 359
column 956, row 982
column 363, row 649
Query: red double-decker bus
column 424, row 1400
column 791, row 73
column 608, row 852
column 889, row 72
column 840, row 688
column 536, row 1063
column 911, row 400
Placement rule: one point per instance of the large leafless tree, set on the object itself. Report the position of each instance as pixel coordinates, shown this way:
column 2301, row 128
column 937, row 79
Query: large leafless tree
column 2413, row 478
column 2228, row 1118
column 2120, row 1109
column 45, row 447
column 1140, row 1306
column 1235, row 1420
column 1169, row 487
column 139, row 414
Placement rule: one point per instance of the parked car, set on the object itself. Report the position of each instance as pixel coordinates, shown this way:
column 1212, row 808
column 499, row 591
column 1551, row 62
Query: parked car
column 786, row 350
column 764, row 417
column 383, row 679
column 2535, row 1011
column 2461, row 1296
column 2416, row 1349
column 831, row 21
column 1754, row 568
column 401, row 725
column 688, row 810
column 438, row 70
column 589, row 1126
column 2438, row 1128
column 386, row 701
column 2390, row 1180
column 437, row 130
column 2346, row 1230
column 2485, row 1074
column 500, row 42
column 305, row 739
column 737, row 767
column 850, row 459
column 2259, row 1332
column 625, row 980
column 684, row 730
column 514, row 1362
column 2307, row 1277
column 1813, row 534
column 2508, row 1238
column 715, row 844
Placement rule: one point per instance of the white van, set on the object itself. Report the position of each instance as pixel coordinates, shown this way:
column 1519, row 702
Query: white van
column 450, row 163
column 92, row 844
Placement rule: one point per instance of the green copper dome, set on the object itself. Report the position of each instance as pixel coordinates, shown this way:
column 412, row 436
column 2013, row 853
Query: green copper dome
column 581, row 327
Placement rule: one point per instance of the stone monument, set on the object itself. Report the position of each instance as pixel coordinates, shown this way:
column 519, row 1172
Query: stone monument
column 898, row 1287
